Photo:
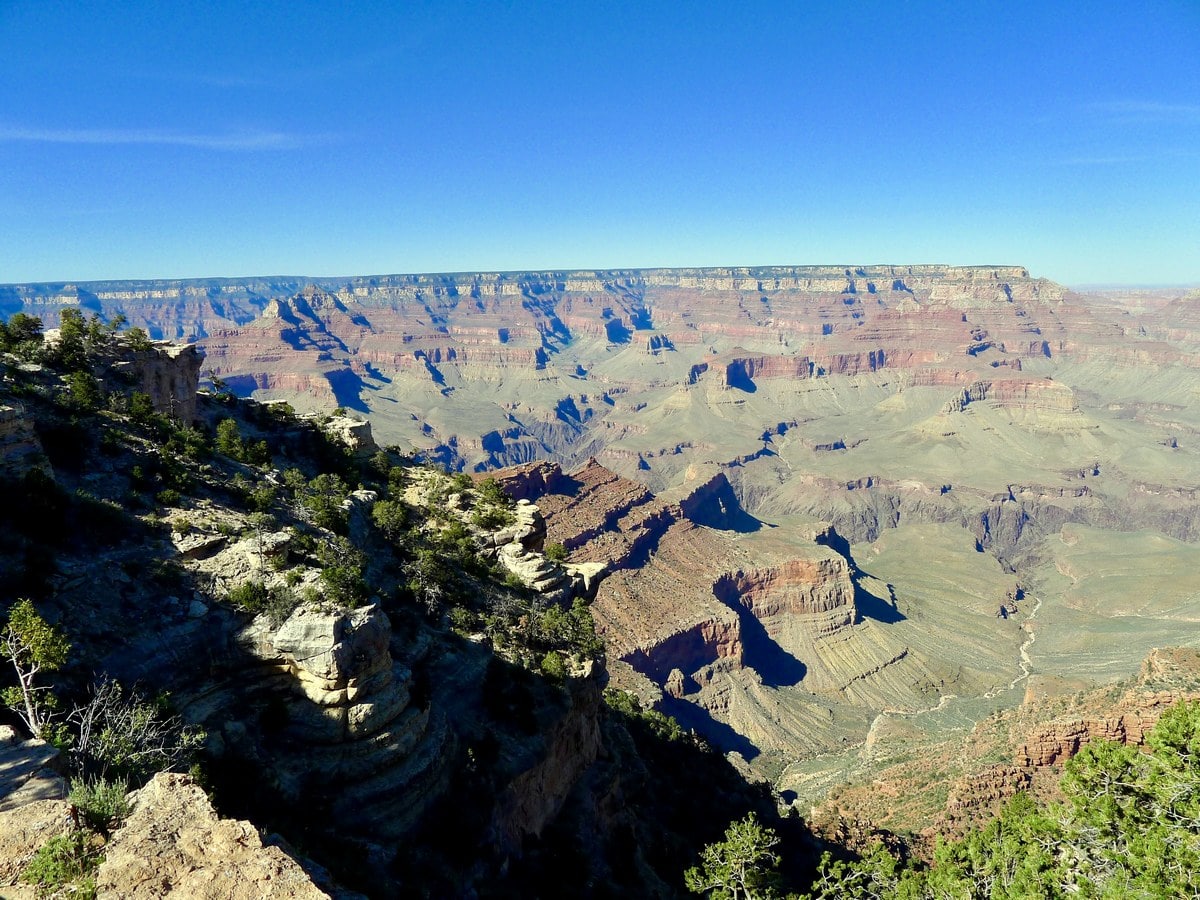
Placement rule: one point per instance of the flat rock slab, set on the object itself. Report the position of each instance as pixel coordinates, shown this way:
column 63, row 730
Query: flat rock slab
column 25, row 771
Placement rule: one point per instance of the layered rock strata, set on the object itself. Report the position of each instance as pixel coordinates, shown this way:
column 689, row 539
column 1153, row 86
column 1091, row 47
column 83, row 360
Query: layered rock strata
column 350, row 720
column 688, row 605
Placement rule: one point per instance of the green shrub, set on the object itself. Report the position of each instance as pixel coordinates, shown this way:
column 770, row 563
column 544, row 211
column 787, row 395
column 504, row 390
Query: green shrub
column 461, row 620
column 626, row 704
column 294, row 480
column 276, row 603
column 22, row 334
column 344, row 585
column 391, row 518
column 85, row 393
column 257, row 454
column 250, row 596
column 141, row 407
column 101, row 802
column 229, row 439
column 137, row 339
column 65, row 860
column 491, row 518
column 189, row 441
column 554, row 666
column 168, row 497
column 322, row 499
column 262, row 498
column 556, row 552
column 490, row 490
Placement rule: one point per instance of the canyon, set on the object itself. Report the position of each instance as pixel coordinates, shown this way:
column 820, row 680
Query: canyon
column 826, row 500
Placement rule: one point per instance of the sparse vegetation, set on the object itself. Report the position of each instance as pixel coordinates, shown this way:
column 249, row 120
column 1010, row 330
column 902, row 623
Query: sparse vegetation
column 65, row 866
column 423, row 559
column 101, row 802
column 119, row 734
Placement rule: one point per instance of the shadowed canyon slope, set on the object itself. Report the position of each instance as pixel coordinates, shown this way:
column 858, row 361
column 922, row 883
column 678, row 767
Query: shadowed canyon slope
column 834, row 503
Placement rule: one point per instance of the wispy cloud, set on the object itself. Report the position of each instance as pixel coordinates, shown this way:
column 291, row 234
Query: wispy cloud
column 1146, row 112
column 234, row 140
column 1114, row 160
column 1158, row 154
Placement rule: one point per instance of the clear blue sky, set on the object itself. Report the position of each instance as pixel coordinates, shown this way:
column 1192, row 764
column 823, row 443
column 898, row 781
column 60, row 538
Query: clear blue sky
column 208, row 138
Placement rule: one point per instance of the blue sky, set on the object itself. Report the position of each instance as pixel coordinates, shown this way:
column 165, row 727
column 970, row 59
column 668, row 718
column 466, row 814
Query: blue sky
column 162, row 139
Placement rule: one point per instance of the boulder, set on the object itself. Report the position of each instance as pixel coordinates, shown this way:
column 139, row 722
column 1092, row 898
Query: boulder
column 334, row 646
column 534, row 570
column 196, row 545
column 174, row 842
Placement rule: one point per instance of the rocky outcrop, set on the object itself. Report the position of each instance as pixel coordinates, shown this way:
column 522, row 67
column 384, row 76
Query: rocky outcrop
column 815, row 596
column 349, row 716
column 169, row 373
column 971, row 800
column 535, row 571
column 174, row 843
column 342, row 663
column 354, row 434
column 1026, row 394
column 689, row 649
column 1137, row 713
column 527, row 531
column 20, row 449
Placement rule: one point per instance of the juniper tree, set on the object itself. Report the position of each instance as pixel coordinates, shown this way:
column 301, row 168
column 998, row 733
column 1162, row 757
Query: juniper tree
column 741, row 867
column 33, row 646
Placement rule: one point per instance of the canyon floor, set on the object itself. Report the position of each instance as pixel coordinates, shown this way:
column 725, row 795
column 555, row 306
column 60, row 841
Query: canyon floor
column 847, row 513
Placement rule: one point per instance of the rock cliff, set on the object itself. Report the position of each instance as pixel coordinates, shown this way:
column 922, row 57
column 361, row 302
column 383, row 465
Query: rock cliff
column 169, row 373
column 20, row 448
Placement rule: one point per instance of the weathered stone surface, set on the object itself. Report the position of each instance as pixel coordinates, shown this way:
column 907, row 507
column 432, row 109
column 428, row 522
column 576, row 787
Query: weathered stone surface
column 174, row 843
column 23, row 829
column 585, row 578
column 534, row 569
column 334, row 646
column 535, row 796
column 1057, row 742
column 197, row 545
column 20, row 448
column 27, row 771
column 168, row 372
column 355, row 434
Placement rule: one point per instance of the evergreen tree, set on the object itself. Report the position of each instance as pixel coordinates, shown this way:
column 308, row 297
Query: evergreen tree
column 741, row 866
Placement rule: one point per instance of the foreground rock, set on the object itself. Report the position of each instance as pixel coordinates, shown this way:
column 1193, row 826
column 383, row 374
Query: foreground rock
column 174, row 843
column 23, row 830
